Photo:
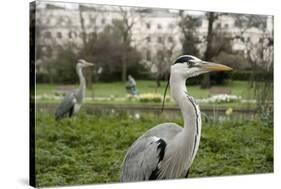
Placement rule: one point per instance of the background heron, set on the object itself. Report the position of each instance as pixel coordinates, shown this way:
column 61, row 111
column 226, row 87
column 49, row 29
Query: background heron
column 167, row 150
column 72, row 101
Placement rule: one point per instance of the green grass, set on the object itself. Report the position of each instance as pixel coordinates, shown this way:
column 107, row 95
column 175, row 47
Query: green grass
column 234, row 148
column 90, row 148
column 117, row 89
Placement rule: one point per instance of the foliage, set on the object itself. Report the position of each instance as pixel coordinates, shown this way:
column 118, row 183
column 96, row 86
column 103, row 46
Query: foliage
column 235, row 61
column 250, row 20
column 259, row 51
column 188, row 25
column 264, row 96
column 61, row 69
column 166, row 53
column 110, row 40
column 123, row 28
column 219, row 48
column 248, row 75
column 90, row 148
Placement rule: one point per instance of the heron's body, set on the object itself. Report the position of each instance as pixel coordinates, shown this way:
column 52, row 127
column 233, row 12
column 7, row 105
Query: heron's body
column 72, row 102
column 167, row 150
column 177, row 157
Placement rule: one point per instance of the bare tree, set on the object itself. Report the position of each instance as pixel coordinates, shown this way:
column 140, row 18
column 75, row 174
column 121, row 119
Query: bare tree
column 208, row 55
column 128, row 20
column 165, row 54
column 86, row 51
column 260, row 56
column 188, row 25
column 258, row 40
column 258, row 43
column 82, row 25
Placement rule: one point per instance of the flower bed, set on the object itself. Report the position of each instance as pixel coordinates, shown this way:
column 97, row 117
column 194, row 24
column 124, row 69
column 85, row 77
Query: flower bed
column 221, row 98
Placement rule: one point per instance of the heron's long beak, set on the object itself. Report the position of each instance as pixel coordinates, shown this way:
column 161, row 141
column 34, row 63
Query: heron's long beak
column 88, row 64
column 210, row 66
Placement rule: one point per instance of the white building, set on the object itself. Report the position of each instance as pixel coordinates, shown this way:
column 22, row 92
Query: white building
column 60, row 24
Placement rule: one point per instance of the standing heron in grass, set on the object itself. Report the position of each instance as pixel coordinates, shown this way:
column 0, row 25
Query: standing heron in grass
column 72, row 101
column 167, row 150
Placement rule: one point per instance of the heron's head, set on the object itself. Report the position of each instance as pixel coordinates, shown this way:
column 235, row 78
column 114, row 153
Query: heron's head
column 188, row 66
column 83, row 63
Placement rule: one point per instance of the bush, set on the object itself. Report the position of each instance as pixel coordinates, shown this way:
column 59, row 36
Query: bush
column 250, row 75
column 62, row 69
column 236, row 61
column 150, row 97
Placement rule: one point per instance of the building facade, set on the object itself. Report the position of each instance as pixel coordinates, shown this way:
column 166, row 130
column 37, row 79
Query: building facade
column 152, row 30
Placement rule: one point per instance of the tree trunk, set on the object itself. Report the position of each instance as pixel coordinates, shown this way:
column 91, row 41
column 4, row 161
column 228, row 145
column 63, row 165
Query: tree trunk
column 158, row 78
column 208, row 53
column 83, row 32
column 124, row 68
column 126, row 42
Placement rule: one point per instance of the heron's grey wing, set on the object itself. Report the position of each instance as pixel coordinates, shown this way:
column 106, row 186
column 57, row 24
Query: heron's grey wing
column 66, row 106
column 142, row 159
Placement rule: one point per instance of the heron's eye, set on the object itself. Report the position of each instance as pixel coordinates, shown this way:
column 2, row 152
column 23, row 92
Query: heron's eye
column 189, row 64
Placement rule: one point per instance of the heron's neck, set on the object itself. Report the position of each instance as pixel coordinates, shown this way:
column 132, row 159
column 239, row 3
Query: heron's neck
column 82, row 80
column 189, row 109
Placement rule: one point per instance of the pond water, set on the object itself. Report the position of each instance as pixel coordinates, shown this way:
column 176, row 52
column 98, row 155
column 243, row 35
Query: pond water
column 210, row 114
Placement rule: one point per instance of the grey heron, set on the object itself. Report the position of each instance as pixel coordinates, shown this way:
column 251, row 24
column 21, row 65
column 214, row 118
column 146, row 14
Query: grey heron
column 72, row 101
column 167, row 150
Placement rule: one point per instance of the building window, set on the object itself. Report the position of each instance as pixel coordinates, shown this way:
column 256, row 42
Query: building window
column 103, row 21
column 48, row 34
column 70, row 35
column 225, row 25
column 159, row 26
column 148, row 25
column 148, row 39
column 170, row 39
column 171, row 26
column 92, row 20
column 59, row 35
column 159, row 39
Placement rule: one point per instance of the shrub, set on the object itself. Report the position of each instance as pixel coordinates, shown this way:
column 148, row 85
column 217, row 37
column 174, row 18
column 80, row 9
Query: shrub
column 150, row 97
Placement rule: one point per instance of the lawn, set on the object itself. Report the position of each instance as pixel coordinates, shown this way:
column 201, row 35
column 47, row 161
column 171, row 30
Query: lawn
column 117, row 89
column 90, row 148
column 115, row 93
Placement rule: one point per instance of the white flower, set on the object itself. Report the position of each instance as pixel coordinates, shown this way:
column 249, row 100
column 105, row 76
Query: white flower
column 137, row 116
column 221, row 98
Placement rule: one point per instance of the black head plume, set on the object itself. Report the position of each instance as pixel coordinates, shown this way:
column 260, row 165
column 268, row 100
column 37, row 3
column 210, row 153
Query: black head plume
column 183, row 59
